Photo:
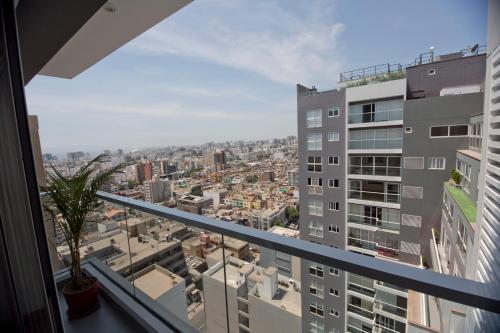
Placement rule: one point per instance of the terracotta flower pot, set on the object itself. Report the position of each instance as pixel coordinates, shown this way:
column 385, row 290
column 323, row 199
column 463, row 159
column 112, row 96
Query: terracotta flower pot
column 82, row 302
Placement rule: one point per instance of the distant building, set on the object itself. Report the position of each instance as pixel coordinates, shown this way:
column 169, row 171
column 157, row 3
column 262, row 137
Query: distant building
column 267, row 176
column 286, row 264
column 157, row 190
column 144, row 171
column 292, row 177
column 165, row 287
column 264, row 219
column 217, row 196
column 75, row 156
column 258, row 300
column 193, row 204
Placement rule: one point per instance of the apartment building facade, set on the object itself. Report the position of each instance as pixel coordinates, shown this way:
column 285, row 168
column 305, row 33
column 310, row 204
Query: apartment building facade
column 373, row 157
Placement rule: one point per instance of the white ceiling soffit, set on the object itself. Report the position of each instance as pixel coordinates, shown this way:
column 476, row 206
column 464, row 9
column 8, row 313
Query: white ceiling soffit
column 112, row 26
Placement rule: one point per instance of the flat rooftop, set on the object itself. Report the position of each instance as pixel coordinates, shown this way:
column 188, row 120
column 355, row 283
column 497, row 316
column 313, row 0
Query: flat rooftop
column 282, row 231
column 139, row 249
column 155, row 281
column 285, row 298
column 236, row 272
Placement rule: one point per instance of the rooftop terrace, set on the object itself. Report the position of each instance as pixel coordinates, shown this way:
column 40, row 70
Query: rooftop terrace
column 467, row 207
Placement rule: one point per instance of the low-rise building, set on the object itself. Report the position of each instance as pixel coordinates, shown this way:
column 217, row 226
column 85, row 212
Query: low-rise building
column 165, row 287
column 193, row 204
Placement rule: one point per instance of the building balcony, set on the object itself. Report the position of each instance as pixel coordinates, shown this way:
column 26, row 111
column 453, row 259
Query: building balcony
column 121, row 307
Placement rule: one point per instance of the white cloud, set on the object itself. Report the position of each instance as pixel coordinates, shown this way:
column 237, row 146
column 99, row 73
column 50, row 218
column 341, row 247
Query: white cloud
column 99, row 104
column 285, row 45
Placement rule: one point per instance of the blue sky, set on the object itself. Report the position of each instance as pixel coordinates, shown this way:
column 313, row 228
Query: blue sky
column 226, row 69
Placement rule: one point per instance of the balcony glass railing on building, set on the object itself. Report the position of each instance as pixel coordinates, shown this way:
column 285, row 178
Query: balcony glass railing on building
column 375, row 165
column 360, row 306
column 361, row 284
column 376, row 112
column 379, row 138
column 374, row 191
column 380, row 217
column 178, row 266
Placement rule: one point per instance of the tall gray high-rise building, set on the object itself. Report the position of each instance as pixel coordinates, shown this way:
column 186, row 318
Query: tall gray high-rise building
column 373, row 157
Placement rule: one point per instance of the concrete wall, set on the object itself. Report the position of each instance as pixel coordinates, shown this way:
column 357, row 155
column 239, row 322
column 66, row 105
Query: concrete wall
column 265, row 318
column 449, row 73
column 215, row 306
column 420, row 114
column 323, row 101
column 175, row 300
column 472, row 189
column 376, row 91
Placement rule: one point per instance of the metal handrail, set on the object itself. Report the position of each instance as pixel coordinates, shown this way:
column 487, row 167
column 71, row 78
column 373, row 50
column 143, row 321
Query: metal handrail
column 467, row 292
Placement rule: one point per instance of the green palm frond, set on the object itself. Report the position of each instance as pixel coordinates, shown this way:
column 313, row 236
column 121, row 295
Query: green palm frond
column 75, row 198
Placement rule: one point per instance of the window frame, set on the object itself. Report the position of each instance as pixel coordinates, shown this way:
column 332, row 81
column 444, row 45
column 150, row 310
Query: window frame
column 314, row 121
column 336, row 135
column 334, row 109
column 433, row 163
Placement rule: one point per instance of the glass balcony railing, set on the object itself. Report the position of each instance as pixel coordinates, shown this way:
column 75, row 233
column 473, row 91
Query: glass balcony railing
column 373, row 221
column 374, row 196
column 375, row 170
column 201, row 274
column 372, row 117
column 396, row 143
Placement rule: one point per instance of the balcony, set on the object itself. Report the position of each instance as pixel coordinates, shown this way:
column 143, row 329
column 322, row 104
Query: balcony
column 375, row 167
column 385, row 140
column 376, row 114
column 122, row 308
column 374, row 191
column 368, row 274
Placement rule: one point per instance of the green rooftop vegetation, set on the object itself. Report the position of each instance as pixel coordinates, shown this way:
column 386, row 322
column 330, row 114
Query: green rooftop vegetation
column 467, row 207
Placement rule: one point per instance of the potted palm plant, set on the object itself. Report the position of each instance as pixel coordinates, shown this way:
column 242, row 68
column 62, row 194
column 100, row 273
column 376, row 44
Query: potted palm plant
column 75, row 198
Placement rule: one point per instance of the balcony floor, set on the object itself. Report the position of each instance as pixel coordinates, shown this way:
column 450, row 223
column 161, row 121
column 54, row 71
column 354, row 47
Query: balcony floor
column 108, row 318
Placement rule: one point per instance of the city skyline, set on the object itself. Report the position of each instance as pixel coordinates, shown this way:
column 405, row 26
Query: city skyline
column 185, row 81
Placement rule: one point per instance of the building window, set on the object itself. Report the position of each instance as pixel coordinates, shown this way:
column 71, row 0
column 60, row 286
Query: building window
column 449, row 130
column 333, row 228
column 334, row 292
column 314, row 186
column 315, row 207
column 431, row 71
column 333, row 183
column 333, row 160
column 334, row 111
column 333, row 136
column 316, row 270
column 437, row 163
column 459, row 130
column 316, row 308
column 316, row 289
column 334, row 271
column 313, row 118
column 333, row 205
column 408, row 130
column 334, row 312
column 462, row 238
column 317, row 327
column 316, row 229
column 314, row 163
column 314, row 141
